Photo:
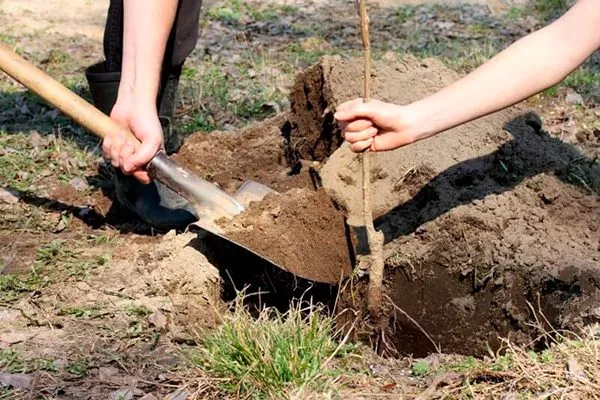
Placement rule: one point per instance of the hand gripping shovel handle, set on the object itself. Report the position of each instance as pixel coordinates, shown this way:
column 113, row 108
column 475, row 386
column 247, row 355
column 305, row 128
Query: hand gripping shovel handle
column 188, row 185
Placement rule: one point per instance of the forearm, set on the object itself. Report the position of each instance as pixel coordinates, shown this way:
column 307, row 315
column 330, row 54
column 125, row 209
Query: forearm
column 529, row 66
column 147, row 25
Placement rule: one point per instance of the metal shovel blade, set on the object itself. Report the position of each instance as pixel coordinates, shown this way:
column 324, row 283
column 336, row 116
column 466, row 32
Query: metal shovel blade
column 252, row 191
column 211, row 203
column 209, row 212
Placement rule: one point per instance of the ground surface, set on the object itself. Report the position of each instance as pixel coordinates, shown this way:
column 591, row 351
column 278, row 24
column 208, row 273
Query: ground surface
column 95, row 304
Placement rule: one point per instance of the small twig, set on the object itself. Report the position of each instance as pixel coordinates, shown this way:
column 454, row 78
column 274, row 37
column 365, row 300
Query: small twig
column 375, row 238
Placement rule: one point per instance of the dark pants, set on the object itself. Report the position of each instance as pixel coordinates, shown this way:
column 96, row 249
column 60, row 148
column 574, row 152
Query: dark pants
column 182, row 40
column 104, row 77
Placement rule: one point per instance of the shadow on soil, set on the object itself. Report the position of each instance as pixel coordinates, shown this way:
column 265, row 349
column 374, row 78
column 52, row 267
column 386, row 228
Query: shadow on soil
column 531, row 152
column 264, row 284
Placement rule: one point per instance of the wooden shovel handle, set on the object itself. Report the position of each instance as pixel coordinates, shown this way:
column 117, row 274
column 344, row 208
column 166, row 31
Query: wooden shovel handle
column 60, row 97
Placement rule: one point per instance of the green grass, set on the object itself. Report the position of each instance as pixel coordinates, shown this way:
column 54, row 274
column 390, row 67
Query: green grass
column 466, row 364
column 420, row 368
column 235, row 11
column 13, row 287
column 269, row 356
column 514, row 14
column 90, row 312
column 79, row 368
column 583, row 80
column 137, row 311
column 234, row 98
column 45, row 364
column 296, row 54
column 51, row 259
column 581, row 172
column 550, row 8
column 24, row 167
column 10, row 361
column 521, row 371
column 57, row 255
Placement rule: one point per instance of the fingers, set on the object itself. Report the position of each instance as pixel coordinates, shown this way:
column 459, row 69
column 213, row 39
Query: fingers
column 126, row 151
column 359, row 147
column 115, row 149
column 122, row 154
column 379, row 143
column 390, row 141
column 357, row 125
column 111, row 148
column 142, row 176
column 355, row 109
column 348, row 105
column 106, row 146
column 143, row 155
column 353, row 137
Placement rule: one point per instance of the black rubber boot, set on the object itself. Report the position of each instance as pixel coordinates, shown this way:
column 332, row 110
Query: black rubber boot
column 154, row 203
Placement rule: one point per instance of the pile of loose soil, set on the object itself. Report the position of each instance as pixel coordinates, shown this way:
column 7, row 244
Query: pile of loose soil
column 303, row 232
column 300, row 229
column 255, row 153
column 485, row 225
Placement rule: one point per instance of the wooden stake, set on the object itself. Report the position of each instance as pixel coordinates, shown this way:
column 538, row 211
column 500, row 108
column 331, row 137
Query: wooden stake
column 374, row 238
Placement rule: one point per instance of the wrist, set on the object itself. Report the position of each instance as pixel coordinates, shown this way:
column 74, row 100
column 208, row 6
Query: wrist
column 135, row 98
column 138, row 89
column 418, row 121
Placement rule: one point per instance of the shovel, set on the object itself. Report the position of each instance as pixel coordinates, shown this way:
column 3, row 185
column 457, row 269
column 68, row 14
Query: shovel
column 210, row 202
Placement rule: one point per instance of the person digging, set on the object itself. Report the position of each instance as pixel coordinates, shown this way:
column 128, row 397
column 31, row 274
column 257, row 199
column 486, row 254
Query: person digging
column 145, row 46
column 529, row 66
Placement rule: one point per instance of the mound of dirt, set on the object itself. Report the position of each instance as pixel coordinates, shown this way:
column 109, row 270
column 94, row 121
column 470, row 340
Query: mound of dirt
column 487, row 226
column 255, row 153
column 481, row 223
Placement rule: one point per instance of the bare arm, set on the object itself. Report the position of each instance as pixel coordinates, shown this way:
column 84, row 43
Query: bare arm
column 147, row 25
column 530, row 65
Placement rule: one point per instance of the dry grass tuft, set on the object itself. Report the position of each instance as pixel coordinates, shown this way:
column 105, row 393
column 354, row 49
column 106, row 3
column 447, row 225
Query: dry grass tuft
column 568, row 369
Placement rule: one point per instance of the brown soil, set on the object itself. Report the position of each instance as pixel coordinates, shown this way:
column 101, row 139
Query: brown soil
column 255, row 153
column 479, row 222
column 303, row 232
column 289, row 229
column 483, row 224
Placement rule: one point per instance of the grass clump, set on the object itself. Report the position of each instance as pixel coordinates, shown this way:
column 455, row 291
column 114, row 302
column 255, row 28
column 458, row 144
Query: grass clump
column 584, row 80
column 273, row 354
column 9, row 361
column 13, row 287
column 420, row 368
column 50, row 259
column 549, row 9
